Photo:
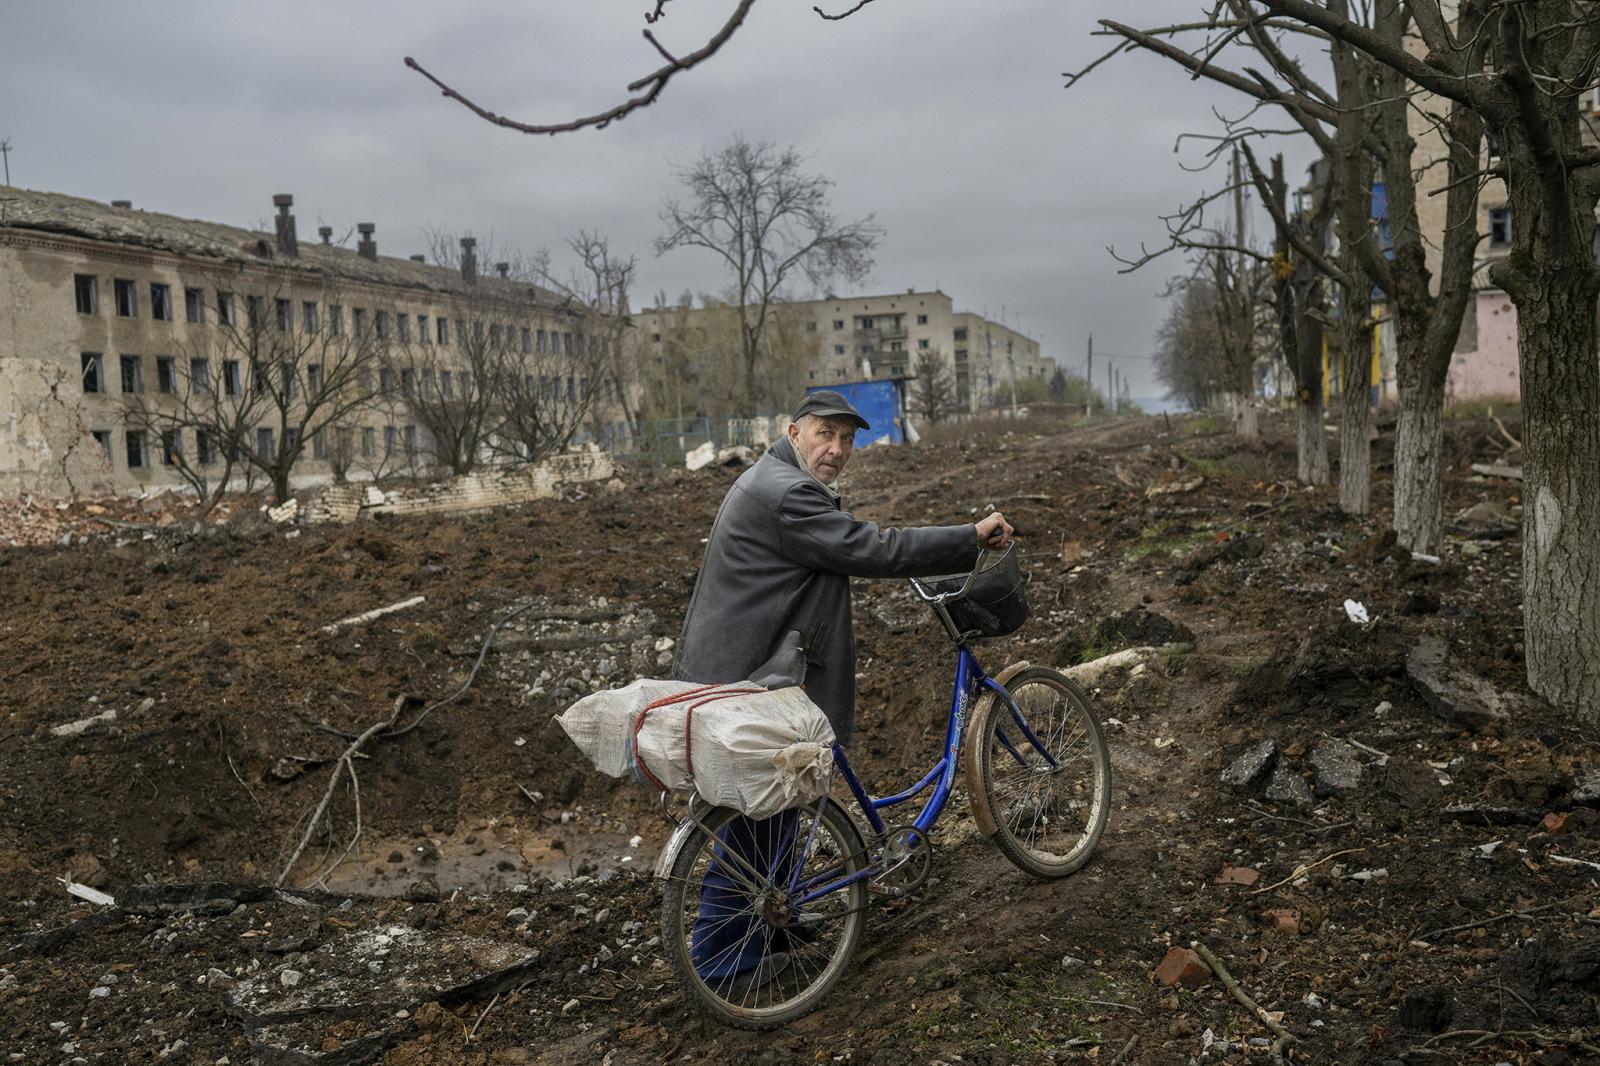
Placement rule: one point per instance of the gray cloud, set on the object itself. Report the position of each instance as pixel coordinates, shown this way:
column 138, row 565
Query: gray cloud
column 945, row 119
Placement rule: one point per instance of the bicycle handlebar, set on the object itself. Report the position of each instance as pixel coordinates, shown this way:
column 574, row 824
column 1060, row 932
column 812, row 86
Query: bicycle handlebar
column 940, row 598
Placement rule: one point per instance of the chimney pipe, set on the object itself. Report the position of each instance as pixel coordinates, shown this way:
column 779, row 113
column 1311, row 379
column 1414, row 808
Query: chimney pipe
column 419, row 258
column 288, row 243
column 326, row 233
column 469, row 260
column 366, row 247
column 122, row 203
column 503, row 269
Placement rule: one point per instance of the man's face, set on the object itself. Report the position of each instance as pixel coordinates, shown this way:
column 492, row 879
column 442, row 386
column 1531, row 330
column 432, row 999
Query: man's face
column 824, row 445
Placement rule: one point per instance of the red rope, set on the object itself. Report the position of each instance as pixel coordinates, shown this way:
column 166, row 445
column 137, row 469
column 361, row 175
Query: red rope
column 718, row 693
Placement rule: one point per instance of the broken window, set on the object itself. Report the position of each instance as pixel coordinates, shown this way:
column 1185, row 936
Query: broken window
column 838, row 323
column 127, row 298
column 285, row 316
column 286, row 376
column 409, row 435
column 133, row 441
column 335, row 319
column 422, row 329
column 923, row 343
column 444, row 331
column 308, row 316
column 132, row 373
column 897, row 346
column 1500, row 227
column 566, row 344
column 382, row 323
column 230, row 376
column 494, row 335
column 259, row 380
column 385, row 380
column 838, row 349
column 102, row 437
column 388, row 441
column 427, row 381
column 86, row 288
column 319, row 447
column 358, row 318
column 194, row 305
column 200, row 376
column 171, row 447
column 406, row 380
column 538, row 342
column 255, row 311
column 527, row 341
column 344, row 443
column 866, row 322
column 922, row 320
column 403, row 324
column 166, row 374
column 291, row 441
column 264, row 446
column 368, row 440
column 93, row 372
column 961, row 334
column 204, row 451
column 225, row 315
column 477, row 332
column 160, row 302
column 445, row 388
column 314, row 379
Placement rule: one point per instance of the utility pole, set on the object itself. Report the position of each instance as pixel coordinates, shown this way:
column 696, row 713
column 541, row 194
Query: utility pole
column 1088, row 379
column 5, row 156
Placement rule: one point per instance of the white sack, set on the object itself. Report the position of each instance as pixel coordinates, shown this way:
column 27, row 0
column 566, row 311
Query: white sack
column 759, row 753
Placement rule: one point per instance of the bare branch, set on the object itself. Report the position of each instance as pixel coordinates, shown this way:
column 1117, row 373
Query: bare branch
column 835, row 18
column 652, row 84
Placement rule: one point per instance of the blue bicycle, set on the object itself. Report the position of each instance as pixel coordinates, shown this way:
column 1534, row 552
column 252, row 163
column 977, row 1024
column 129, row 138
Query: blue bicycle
column 761, row 918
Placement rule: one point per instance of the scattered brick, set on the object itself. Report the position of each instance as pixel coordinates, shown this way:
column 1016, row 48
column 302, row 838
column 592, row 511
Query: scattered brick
column 1182, row 967
column 1238, row 875
column 1556, row 824
column 1282, row 920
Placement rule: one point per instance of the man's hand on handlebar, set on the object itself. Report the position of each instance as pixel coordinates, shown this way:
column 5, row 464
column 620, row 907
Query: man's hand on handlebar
column 994, row 531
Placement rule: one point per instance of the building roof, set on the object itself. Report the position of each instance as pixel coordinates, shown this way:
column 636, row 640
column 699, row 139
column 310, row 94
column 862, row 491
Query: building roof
column 58, row 213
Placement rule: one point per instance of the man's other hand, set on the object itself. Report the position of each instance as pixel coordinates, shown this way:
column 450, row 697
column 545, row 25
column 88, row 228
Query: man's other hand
column 994, row 531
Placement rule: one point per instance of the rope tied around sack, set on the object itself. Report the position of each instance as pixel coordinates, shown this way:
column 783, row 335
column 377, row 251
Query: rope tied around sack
column 712, row 693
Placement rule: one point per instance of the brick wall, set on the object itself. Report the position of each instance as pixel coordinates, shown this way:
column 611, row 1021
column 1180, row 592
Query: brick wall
column 480, row 490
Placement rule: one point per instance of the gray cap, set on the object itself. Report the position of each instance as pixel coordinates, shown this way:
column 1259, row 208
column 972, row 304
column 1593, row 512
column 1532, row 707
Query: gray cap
column 829, row 404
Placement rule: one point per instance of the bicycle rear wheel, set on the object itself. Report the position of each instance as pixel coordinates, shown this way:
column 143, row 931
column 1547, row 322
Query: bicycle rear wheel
column 749, row 952
column 1045, row 774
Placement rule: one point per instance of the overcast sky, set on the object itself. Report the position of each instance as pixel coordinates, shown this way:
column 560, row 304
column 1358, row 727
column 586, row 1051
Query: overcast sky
column 945, row 118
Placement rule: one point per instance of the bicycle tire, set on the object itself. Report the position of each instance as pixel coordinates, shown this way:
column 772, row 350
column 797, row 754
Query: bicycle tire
column 1069, row 804
column 815, row 965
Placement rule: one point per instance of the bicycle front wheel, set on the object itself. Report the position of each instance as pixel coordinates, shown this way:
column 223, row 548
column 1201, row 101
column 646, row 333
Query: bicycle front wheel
column 739, row 926
column 1045, row 774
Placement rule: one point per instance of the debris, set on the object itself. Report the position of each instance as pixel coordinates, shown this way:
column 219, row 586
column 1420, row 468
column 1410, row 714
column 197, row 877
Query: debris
column 1248, row 768
column 1287, row 786
column 1090, row 674
column 1281, row 920
column 72, row 729
column 737, row 455
column 1182, row 966
column 1567, row 861
column 1556, row 824
column 84, row 892
column 1454, row 694
column 701, row 457
column 1072, row 551
column 1586, row 787
column 1173, row 488
column 1492, row 815
column 1497, row 470
column 1072, row 963
column 1338, row 767
column 1356, row 612
column 379, row 612
column 1238, row 875
column 1284, row 1037
column 1370, row 875
column 287, row 511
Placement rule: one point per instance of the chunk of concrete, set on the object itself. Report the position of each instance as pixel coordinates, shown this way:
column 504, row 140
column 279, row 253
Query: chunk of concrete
column 1453, row 693
column 1338, row 768
column 1586, row 787
column 1249, row 768
column 1287, row 786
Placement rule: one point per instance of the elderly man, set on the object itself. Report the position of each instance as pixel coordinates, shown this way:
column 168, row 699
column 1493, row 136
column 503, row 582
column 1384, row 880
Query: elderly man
column 772, row 604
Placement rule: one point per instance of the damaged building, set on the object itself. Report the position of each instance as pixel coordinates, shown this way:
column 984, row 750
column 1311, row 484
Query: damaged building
column 140, row 352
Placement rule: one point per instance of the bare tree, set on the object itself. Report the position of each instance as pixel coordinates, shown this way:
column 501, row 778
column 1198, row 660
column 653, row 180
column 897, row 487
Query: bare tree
column 753, row 206
column 597, row 289
column 935, row 391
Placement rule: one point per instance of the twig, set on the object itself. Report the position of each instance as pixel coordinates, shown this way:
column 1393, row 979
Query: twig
column 355, row 788
column 333, row 780
column 835, row 18
column 1127, row 1049
column 1490, row 921
column 1565, row 861
column 1362, row 747
column 474, row 1033
column 1285, row 1038
column 1114, row 1003
column 1304, row 868
column 222, row 740
column 483, row 652
column 524, row 790
column 377, row 612
column 1514, row 442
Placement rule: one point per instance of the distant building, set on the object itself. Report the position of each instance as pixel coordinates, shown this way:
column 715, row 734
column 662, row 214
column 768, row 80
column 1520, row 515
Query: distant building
column 855, row 338
column 112, row 319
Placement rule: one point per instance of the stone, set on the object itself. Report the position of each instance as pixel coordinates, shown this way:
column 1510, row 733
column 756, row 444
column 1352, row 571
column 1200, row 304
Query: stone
column 1182, row 966
column 1238, row 875
column 1072, row 964
column 1454, row 694
column 1287, row 786
column 1586, row 787
column 290, row 978
column 1246, row 770
column 1338, row 768
column 1556, row 824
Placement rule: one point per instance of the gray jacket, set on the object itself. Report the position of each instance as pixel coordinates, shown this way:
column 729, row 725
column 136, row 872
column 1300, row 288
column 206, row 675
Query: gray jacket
column 779, row 562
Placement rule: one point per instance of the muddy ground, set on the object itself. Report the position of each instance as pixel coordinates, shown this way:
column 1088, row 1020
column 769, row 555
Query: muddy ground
column 1412, row 902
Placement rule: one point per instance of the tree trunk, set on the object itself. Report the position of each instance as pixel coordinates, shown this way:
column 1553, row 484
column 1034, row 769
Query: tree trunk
column 1312, row 442
column 1418, row 448
column 1556, row 340
column 1355, row 423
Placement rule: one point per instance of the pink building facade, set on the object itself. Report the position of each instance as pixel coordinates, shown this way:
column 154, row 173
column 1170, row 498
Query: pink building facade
column 1485, row 362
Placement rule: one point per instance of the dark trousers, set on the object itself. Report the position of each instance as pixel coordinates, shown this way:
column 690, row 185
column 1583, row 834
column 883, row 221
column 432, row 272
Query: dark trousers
column 729, row 936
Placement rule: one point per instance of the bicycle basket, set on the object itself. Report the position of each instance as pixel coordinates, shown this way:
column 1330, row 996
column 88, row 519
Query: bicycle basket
column 995, row 605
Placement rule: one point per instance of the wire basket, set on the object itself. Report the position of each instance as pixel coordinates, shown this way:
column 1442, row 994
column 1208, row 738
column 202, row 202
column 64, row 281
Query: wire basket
column 995, row 605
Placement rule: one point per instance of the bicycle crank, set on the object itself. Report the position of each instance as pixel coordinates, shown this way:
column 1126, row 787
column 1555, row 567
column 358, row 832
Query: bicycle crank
column 906, row 856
